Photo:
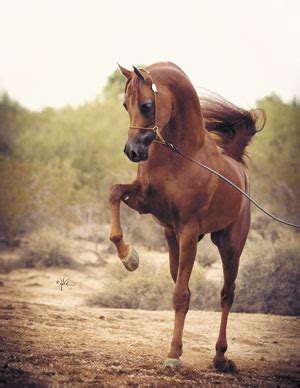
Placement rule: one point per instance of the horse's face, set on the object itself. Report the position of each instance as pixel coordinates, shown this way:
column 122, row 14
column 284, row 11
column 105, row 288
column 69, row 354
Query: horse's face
column 140, row 105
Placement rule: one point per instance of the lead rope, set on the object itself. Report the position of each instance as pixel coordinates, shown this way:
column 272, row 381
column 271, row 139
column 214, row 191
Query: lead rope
column 161, row 140
column 176, row 150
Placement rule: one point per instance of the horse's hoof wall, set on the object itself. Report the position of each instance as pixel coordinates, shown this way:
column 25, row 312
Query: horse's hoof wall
column 172, row 363
column 225, row 366
column 131, row 261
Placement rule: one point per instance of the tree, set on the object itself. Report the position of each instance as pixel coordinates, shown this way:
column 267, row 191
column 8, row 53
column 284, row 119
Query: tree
column 115, row 85
column 9, row 110
column 276, row 159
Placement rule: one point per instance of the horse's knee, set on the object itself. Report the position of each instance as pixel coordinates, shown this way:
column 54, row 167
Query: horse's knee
column 181, row 300
column 115, row 238
column 115, row 194
column 227, row 296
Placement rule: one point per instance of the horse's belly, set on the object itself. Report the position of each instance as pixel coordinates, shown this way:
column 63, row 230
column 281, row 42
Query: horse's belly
column 223, row 210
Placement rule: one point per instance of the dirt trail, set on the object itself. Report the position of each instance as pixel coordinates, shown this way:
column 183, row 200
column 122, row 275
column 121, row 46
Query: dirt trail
column 49, row 337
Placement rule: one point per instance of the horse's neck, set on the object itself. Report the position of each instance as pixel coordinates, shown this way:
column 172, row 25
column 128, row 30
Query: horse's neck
column 186, row 129
column 187, row 133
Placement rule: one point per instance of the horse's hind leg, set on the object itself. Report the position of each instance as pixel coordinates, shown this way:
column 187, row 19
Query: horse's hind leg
column 130, row 195
column 230, row 243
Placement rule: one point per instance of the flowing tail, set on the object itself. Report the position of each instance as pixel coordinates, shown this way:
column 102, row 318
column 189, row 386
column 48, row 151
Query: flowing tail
column 232, row 126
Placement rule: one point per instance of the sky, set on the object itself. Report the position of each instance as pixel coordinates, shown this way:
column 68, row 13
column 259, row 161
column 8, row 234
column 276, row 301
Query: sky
column 60, row 52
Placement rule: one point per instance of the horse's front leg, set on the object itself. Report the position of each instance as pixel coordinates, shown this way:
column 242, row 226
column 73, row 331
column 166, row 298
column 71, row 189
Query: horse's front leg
column 129, row 194
column 188, row 239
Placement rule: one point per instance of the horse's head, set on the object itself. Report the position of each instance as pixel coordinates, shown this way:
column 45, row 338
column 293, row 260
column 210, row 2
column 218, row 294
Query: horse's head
column 141, row 101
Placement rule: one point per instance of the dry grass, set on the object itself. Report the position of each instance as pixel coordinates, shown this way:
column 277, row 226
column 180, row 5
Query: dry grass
column 46, row 247
column 150, row 287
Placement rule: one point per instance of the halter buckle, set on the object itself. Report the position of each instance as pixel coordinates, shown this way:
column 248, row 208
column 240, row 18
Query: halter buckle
column 159, row 137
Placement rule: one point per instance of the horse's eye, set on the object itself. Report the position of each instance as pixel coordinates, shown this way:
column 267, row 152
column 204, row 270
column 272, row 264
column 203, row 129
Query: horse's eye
column 125, row 106
column 146, row 107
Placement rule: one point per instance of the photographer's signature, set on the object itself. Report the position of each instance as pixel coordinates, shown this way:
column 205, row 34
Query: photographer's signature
column 64, row 282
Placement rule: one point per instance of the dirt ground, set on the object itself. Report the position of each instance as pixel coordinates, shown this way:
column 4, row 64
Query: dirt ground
column 49, row 337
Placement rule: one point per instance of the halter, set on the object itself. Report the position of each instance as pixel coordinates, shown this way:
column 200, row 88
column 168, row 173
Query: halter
column 158, row 136
column 159, row 139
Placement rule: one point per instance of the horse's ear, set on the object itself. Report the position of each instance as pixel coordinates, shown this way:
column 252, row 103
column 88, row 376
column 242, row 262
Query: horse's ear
column 125, row 72
column 138, row 73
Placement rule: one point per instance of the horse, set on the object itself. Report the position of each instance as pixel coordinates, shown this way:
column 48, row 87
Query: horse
column 187, row 201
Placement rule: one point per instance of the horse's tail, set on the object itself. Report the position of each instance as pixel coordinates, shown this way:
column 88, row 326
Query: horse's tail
column 234, row 127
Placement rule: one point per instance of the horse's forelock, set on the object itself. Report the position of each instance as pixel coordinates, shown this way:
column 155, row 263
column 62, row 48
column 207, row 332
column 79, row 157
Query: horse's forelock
column 133, row 86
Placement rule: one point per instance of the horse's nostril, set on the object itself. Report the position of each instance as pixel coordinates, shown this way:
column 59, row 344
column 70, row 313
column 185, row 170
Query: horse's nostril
column 133, row 155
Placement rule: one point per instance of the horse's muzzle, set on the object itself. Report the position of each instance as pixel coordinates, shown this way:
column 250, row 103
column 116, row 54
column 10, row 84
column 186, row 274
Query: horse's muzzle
column 136, row 148
column 136, row 153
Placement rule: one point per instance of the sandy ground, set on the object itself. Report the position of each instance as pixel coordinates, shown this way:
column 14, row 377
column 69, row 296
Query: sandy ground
column 49, row 337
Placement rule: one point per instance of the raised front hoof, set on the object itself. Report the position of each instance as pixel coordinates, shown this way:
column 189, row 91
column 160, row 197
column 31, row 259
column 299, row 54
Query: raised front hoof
column 172, row 364
column 131, row 260
column 225, row 366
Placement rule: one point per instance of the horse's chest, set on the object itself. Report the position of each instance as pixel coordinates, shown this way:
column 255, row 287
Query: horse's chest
column 161, row 202
column 156, row 197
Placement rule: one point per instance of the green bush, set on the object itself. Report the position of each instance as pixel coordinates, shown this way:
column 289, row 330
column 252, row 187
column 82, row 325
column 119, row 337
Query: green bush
column 150, row 287
column 15, row 197
column 269, row 277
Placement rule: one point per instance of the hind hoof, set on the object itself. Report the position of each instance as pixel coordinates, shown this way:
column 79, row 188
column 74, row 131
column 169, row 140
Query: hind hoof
column 172, row 363
column 225, row 366
column 131, row 260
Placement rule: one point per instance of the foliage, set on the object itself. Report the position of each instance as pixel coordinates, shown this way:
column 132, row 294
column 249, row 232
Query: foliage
column 10, row 115
column 275, row 169
column 33, row 195
column 150, row 287
column 61, row 165
column 269, row 278
column 115, row 86
column 47, row 248
column 15, row 197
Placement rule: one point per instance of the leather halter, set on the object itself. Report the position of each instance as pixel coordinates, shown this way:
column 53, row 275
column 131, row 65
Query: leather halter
column 158, row 138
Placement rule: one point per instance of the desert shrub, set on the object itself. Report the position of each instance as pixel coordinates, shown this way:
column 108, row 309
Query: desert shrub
column 33, row 195
column 15, row 197
column 270, row 274
column 207, row 253
column 47, row 248
column 150, row 287
column 143, row 230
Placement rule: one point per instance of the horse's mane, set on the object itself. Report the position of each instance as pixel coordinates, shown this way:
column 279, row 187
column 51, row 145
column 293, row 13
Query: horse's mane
column 233, row 127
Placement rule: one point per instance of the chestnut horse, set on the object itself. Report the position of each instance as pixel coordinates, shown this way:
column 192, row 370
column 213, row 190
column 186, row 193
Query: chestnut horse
column 185, row 199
